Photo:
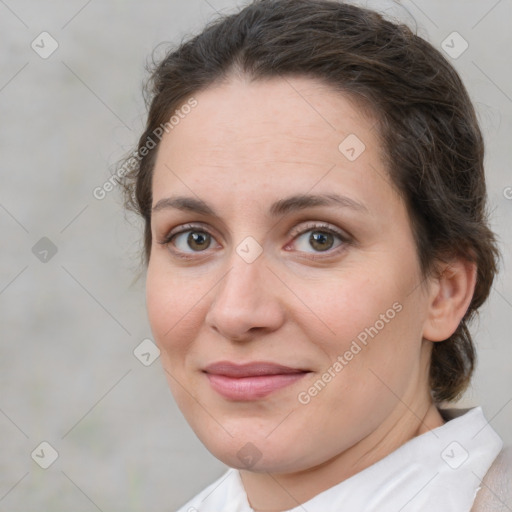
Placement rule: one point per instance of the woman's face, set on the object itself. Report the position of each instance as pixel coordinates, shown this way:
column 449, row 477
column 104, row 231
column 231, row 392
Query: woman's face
column 291, row 248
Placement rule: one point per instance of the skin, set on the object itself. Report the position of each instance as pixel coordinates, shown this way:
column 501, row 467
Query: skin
column 246, row 145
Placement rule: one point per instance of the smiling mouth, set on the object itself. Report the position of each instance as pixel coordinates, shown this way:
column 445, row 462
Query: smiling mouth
column 251, row 381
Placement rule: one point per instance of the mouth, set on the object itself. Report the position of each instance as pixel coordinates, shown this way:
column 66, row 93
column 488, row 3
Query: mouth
column 251, row 381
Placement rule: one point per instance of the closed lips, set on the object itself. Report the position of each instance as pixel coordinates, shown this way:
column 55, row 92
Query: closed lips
column 233, row 370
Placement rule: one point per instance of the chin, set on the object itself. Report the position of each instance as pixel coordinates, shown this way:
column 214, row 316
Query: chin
column 259, row 456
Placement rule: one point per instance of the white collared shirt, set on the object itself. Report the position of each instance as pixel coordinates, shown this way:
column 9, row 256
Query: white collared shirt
column 440, row 470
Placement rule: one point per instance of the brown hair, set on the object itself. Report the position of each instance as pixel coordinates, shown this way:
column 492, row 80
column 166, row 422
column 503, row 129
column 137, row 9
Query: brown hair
column 427, row 125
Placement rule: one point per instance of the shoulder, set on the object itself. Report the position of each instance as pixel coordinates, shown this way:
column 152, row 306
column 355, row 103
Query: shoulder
column 211, row 497
column 495, row 492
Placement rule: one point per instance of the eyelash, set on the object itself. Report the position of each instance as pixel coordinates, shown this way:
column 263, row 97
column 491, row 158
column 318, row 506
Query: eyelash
column 324, row 228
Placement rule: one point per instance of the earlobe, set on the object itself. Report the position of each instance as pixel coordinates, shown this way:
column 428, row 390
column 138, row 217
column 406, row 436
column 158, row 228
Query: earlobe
column 450, row 296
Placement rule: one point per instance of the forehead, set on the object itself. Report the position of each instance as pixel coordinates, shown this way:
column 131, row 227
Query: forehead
column 293, row 132
column 298, row 108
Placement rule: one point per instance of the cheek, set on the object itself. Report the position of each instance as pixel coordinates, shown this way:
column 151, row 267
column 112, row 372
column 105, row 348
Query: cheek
column 370, row 367
column 170, row 307
column 159, row 301
column 369, row 319
column 342, row 305
column 169, row 315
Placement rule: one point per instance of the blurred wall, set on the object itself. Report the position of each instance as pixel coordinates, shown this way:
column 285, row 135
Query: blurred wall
column 71, row 311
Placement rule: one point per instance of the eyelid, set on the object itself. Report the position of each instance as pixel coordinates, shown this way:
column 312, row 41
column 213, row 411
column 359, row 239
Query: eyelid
column 319, row 225
column 183, row 228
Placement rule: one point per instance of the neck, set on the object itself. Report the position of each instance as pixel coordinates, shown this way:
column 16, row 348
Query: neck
column 272, row 492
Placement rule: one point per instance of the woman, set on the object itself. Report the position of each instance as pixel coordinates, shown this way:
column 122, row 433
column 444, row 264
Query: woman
column 312, row 185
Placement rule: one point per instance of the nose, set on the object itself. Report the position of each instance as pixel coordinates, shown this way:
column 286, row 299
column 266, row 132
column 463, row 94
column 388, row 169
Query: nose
column 246, row 301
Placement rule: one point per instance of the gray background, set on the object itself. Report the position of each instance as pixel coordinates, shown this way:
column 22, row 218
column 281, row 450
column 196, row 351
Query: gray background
column 69, row 325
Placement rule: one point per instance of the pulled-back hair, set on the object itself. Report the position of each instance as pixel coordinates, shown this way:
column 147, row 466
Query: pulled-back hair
column 431, row 141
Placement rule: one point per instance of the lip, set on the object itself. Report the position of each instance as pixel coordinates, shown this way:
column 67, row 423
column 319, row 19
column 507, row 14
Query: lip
column 250, row 381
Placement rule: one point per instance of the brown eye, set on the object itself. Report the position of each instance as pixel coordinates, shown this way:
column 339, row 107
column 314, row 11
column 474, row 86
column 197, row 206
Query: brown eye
column 318, row 239
column 321, row 240
column 190, row 241
column 198, row 240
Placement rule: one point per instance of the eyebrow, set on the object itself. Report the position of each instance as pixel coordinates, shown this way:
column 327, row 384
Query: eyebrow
column 281, row 207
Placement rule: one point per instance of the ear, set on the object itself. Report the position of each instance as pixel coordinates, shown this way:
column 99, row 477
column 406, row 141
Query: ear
column 450, row 294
